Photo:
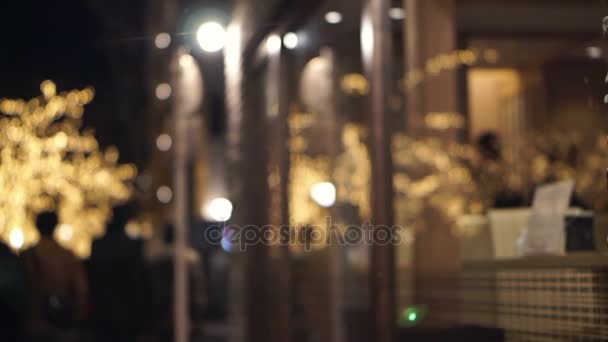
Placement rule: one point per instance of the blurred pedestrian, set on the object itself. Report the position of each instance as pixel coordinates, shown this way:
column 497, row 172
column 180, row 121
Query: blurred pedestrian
column 119, row 294
column 13, row 295
column 57, row 284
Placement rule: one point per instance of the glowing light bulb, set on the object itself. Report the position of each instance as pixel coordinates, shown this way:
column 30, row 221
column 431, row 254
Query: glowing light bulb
column 16, row 238
column 218, row 210
column 163, row 91
column 186, row 61
column 333, row 17
column 164, row 194
column 65, row 232
column 290, row 40
column 162, row 40
column 324, row 194
column 211, row 36
column 273, row 44
column 396, row 13
column 164, row 142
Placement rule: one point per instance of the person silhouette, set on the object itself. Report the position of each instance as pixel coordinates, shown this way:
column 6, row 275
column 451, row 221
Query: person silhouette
column 13, row 295
column 57, row 283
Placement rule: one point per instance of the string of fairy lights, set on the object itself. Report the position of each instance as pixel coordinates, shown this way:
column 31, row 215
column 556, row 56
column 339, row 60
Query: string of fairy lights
column 47, row 161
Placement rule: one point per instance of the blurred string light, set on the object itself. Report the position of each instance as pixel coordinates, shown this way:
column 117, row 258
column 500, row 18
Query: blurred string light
column 163, row 91
column 164, row 142
column 445, row 62
column 433, row 174
column 48, row 163
column 444, row 120
column 396, row 13
column 304, row 172
column 218, row 210
column 352, row 170
column 290, row 40
column 211, row 36
column 164, row 194
column 333, row 17
column 162, row 40
column 354, row 84
column 273, row 44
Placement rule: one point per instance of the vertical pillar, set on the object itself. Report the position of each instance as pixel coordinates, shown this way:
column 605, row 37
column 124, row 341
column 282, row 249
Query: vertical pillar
column 430, row 32
column 180, row 179
column 279, row 78
column 376, row 39
column 335, row 262
column 188, row 94
column 255, row 199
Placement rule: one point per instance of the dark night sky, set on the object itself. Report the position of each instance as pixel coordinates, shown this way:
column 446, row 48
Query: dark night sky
column 49, row 39
column 100, row 43
column 65, row 41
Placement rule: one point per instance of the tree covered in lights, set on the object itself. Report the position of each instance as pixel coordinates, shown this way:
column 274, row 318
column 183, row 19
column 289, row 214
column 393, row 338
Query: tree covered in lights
column 48, row 162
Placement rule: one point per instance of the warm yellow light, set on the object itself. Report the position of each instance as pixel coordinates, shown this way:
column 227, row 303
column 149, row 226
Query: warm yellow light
column 47, row 163
column 186, row 61
column 65, row 232
column 324, row 194
column 16, row 238
column 132, row 230
column 354, row 84
column 211, row 36
column 218, row 210
column 48, row 89
column 273, row 44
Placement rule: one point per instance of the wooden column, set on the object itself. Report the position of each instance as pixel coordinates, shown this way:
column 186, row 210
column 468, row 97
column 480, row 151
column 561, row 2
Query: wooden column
column 430, row 32
column 376, row 39
column 280, row 67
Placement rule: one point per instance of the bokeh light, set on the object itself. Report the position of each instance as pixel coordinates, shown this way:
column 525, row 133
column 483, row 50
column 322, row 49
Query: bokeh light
column 163, row 91
column 16, row 238
column 594, row 52
column 164, row 142
column 396, row 13
column 47, row 162
column 164, row 194
column 333, row 17
column 218, row 210
column 211, row 36
column 290, row 40
column 162, row 40
column 324, row 194
column 273, row 44
column 64, row 232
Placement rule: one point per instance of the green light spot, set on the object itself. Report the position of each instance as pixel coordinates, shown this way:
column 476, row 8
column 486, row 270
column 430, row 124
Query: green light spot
column 412, row 317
